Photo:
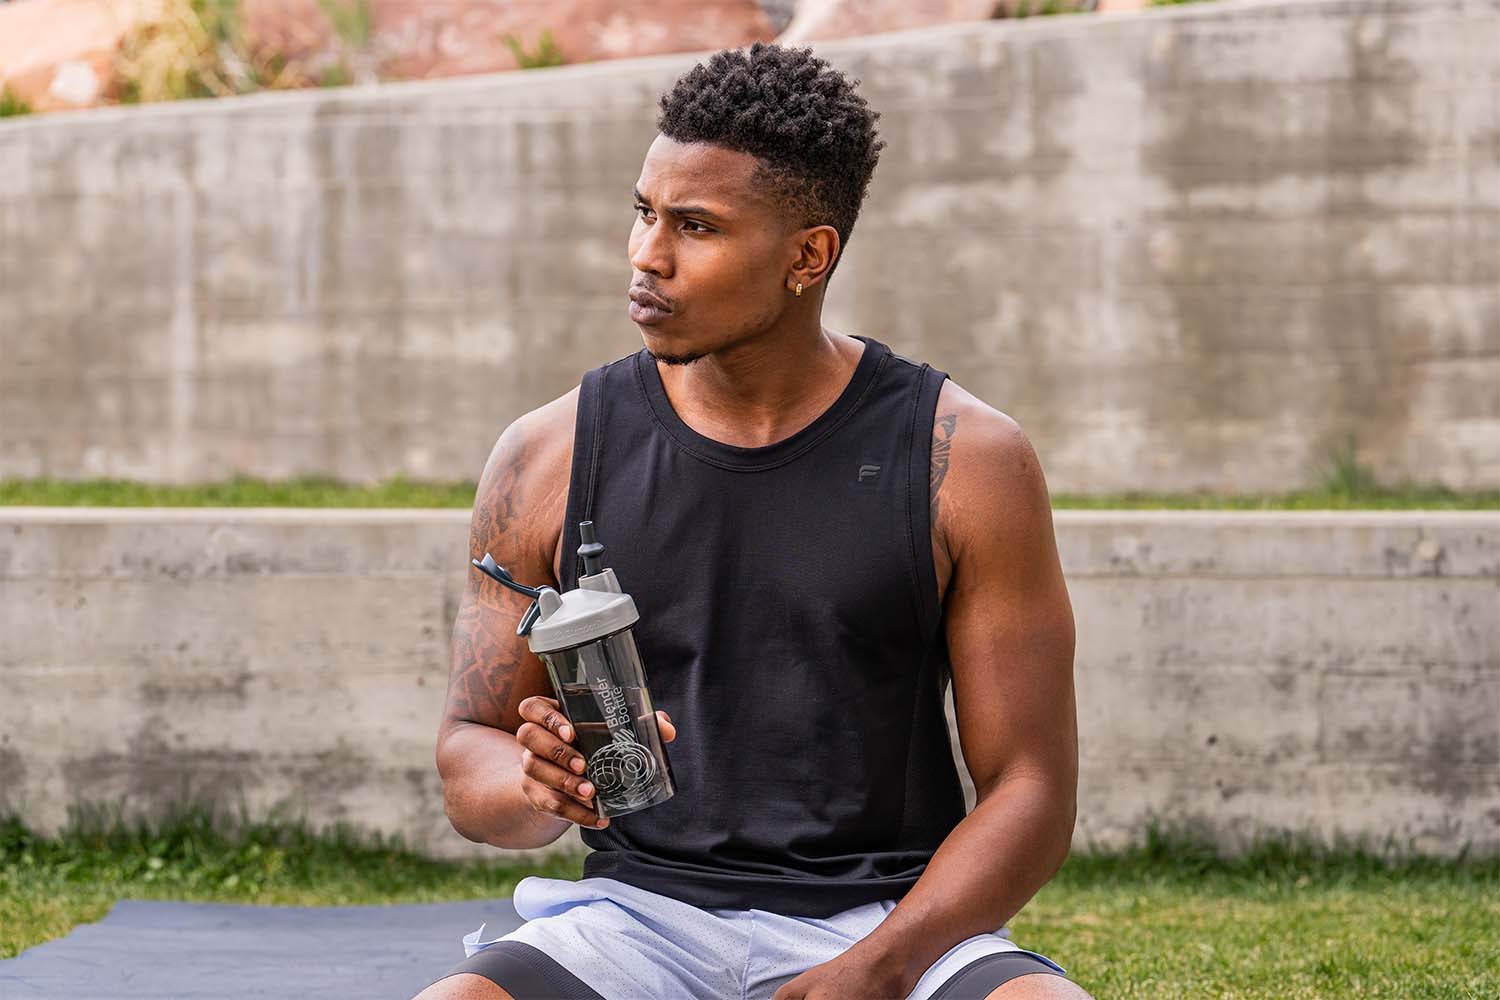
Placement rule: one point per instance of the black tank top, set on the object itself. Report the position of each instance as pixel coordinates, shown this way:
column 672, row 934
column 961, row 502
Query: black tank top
column 790, row 625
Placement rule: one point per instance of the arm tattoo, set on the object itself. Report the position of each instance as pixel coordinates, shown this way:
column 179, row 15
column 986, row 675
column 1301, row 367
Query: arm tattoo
column 495, row 503
column 942, row 444
column 484, row 666
column 486, row 654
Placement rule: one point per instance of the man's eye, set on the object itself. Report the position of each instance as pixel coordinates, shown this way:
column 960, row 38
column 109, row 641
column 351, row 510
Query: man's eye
column 701, row 227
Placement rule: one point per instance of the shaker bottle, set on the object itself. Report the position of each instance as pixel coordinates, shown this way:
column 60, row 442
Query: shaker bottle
column 584, row 637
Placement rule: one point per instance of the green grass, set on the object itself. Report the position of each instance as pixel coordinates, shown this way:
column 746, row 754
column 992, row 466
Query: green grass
column 239, row 492
column 1288, row 919
column 48, row 885
column 1354, row 494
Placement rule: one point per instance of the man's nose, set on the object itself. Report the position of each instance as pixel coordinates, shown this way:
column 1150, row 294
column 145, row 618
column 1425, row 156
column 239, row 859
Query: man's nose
column 651, row 253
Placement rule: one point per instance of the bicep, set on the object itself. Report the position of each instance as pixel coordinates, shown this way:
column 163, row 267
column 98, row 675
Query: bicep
column 1009, row 622
column 491, row 669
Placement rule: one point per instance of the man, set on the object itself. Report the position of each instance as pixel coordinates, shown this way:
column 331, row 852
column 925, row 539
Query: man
column 819, row 533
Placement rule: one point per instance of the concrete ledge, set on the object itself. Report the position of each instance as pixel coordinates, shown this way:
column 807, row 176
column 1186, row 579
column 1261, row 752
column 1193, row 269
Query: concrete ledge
column 1331, row 671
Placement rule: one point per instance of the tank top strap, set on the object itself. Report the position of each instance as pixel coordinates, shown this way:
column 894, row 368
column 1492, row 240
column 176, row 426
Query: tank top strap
column 929, row 383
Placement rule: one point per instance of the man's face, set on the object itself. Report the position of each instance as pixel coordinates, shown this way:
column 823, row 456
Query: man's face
column 711, row 245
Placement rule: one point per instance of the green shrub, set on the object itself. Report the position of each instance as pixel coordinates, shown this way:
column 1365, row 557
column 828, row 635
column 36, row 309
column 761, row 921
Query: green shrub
column 547, row 53
column 11, row 105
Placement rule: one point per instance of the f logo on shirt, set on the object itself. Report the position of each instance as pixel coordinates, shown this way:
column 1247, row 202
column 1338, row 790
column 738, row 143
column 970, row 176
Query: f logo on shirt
column 868, row 472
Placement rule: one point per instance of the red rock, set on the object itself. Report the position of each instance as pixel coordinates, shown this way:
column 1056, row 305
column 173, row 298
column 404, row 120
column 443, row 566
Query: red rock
column 417, row 39
column 59, row 54
column 818, row 20
column 463, row 36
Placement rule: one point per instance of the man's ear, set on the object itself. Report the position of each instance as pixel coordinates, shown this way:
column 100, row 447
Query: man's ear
column 817, row 249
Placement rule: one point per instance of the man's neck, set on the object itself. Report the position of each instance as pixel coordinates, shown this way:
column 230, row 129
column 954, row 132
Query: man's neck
column 757, row 393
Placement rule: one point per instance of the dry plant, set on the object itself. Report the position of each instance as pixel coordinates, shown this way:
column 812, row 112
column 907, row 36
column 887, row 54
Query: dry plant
column 358, row 57
column 197, row 48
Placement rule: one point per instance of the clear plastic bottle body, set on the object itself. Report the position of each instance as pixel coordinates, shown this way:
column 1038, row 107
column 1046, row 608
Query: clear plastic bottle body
column 601, row 686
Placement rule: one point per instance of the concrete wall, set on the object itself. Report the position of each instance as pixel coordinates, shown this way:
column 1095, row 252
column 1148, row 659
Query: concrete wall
column 1189, row 248
column 1324, row 671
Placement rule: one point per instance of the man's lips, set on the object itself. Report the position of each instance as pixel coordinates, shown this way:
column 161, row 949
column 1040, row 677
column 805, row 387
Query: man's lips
column 642, row 297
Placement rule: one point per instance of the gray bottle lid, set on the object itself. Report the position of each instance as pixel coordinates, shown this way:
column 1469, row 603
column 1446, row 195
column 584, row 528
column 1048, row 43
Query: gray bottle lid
column 593, row 610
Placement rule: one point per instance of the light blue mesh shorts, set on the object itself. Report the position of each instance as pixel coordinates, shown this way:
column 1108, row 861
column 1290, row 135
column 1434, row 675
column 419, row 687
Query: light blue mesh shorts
column 624, row 943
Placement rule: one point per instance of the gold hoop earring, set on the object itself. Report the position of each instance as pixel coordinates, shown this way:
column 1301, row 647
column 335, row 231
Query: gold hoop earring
column 799, row 289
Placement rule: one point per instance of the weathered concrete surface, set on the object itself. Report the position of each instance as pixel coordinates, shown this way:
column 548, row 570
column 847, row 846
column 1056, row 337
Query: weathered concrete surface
column 1337, row 672
column 1332, row 672
column 1188, row 248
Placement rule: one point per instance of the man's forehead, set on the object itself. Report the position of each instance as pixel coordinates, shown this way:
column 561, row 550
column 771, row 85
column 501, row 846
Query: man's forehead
column 698, row 173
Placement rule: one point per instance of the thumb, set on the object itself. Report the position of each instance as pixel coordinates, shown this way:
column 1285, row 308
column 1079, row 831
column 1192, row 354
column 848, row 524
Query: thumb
column 788, row 991
column 664, row 723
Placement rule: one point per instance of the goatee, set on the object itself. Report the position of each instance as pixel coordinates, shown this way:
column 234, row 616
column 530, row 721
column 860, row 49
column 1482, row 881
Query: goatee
column 675, row 359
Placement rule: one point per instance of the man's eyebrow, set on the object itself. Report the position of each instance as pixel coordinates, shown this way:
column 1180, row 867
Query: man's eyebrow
column 681, row 209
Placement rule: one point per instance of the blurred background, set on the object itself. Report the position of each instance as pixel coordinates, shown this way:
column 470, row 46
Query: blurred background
column 274, row 275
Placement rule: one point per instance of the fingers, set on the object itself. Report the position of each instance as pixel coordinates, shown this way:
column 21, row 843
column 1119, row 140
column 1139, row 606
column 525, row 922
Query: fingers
column 548, row 747
column 554, row 767
column 554, row 803
column 556, row 778
column 547, row 734
column 559, row 793
column 543, row 711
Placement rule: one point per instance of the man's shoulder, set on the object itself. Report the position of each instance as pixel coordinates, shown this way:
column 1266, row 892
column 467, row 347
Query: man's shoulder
column 991, row 469
column 998, row 429
column 547, row 422
column 522, row 494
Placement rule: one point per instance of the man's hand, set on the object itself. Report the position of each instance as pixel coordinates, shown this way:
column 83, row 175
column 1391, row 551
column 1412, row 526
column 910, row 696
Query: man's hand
column 552, row 771
column 852, row 974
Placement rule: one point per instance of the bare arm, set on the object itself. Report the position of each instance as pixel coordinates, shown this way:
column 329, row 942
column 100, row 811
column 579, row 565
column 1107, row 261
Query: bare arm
column 511, row 776
column 492, row 670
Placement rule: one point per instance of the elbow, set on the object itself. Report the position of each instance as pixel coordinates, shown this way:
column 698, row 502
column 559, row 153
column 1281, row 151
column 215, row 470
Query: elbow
column 457, row 808
column 1067, row 823
column 1062, row 808
column 1050, row 803
column 483, row 797
column 457, row 802
column 471, row 813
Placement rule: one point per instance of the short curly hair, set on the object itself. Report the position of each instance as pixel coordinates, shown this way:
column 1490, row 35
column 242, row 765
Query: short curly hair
column 815, row 137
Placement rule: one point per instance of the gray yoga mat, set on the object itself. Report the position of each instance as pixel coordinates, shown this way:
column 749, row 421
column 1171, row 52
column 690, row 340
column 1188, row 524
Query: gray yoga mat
column 165, row 951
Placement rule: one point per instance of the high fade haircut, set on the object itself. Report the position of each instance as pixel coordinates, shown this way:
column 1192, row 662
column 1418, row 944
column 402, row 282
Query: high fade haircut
column 814, row 136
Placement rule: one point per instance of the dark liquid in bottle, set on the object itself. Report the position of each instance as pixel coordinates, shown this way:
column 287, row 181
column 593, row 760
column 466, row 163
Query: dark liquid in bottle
column 616, row 735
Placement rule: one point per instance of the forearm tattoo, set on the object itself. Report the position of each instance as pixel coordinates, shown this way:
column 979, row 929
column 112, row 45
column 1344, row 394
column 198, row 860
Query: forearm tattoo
column 942, row 444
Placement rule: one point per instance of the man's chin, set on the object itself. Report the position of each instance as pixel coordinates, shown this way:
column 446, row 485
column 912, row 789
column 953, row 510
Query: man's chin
column 675, row 357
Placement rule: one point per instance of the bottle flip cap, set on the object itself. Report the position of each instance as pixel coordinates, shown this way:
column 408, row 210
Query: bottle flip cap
column 594, row 609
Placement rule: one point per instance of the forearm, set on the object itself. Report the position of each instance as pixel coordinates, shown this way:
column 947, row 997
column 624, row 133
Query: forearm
column 987, row 868
column 481, row 772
